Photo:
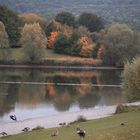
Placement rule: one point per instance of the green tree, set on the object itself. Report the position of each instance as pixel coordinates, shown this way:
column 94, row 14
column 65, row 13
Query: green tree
column 65, row 18
column 91, row 21
column 62, row 44
column 33, row 41
column 131, row 80
column 4, row 43
column 12, row 24
column 121, row 46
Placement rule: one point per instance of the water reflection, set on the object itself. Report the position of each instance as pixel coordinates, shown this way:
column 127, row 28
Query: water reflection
column 48, row 99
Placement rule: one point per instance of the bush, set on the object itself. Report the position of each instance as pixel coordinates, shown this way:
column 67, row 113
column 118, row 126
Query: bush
column 79, row 119
column 38, row 128
column 131, row 80
column 124, row 108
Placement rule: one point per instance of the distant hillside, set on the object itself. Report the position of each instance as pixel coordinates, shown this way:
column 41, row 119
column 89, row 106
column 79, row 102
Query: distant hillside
column 123, row 11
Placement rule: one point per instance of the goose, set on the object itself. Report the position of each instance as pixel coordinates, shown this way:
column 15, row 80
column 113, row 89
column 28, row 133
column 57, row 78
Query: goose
column 62, row 124
column 26, row 129
column 3, row 134
column 81, row 133
column 13, row 117
column 55, row 133
column 122, row 123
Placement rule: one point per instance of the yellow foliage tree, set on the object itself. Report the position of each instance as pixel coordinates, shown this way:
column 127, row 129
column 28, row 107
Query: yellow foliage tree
column 33, row 41
column 87, row 46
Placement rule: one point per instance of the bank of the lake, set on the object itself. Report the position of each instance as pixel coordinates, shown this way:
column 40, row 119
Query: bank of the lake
column 108, row 128
column 53, row 121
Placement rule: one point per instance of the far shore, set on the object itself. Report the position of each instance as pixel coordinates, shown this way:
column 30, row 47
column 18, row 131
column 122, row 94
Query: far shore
column 37, row 66
column 53, row 121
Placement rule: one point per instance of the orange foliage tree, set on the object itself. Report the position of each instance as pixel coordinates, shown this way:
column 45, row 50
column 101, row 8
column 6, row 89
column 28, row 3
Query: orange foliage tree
column 52, row 39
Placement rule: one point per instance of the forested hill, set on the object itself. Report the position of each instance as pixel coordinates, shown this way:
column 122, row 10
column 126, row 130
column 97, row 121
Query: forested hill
column 124, row 11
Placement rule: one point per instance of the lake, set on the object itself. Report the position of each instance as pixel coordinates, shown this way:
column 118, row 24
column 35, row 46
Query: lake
column 33, row 93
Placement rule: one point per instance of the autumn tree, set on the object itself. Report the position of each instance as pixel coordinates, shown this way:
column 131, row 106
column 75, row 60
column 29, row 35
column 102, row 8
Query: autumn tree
column 4, row 43
column 86, row 45
column 65, row 18
column 51, row 39
column 12, row 24
column 91, row 21
column 33, row 41
column 58, row 27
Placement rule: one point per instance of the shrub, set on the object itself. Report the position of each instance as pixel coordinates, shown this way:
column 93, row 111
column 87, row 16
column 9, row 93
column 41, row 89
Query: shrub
column 125, row 108
column 38, row 128
column 131, row 80
column 79, row 119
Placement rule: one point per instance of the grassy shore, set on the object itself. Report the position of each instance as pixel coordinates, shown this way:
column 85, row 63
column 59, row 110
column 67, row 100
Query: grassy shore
column 108, row 128
column 50, row 58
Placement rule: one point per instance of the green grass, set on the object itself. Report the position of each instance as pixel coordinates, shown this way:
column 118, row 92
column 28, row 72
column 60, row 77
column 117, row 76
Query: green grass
column 108, row 128
column 17, row 55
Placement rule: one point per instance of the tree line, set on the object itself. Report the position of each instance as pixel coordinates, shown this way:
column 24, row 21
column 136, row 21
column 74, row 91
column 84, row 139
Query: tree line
column 83, row 36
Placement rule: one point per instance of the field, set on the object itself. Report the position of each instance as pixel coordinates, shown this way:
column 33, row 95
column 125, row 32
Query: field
column 108, row 128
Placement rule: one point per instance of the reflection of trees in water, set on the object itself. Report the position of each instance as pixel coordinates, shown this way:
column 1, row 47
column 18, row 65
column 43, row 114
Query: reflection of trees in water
column 7, row 101
column 33, row 76
column 24, row 94
column 89, row 100
column 8, row 92
column 111, row 96
column 5, row 107
column 62, row 97
column 110, row 77
column 31, row 95
column 63, row 102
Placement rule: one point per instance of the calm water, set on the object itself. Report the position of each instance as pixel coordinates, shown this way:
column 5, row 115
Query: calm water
column 35, row 93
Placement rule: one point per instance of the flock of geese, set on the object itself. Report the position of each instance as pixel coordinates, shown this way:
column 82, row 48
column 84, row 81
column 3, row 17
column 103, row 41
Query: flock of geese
column 80, row 132
column 14, row 118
